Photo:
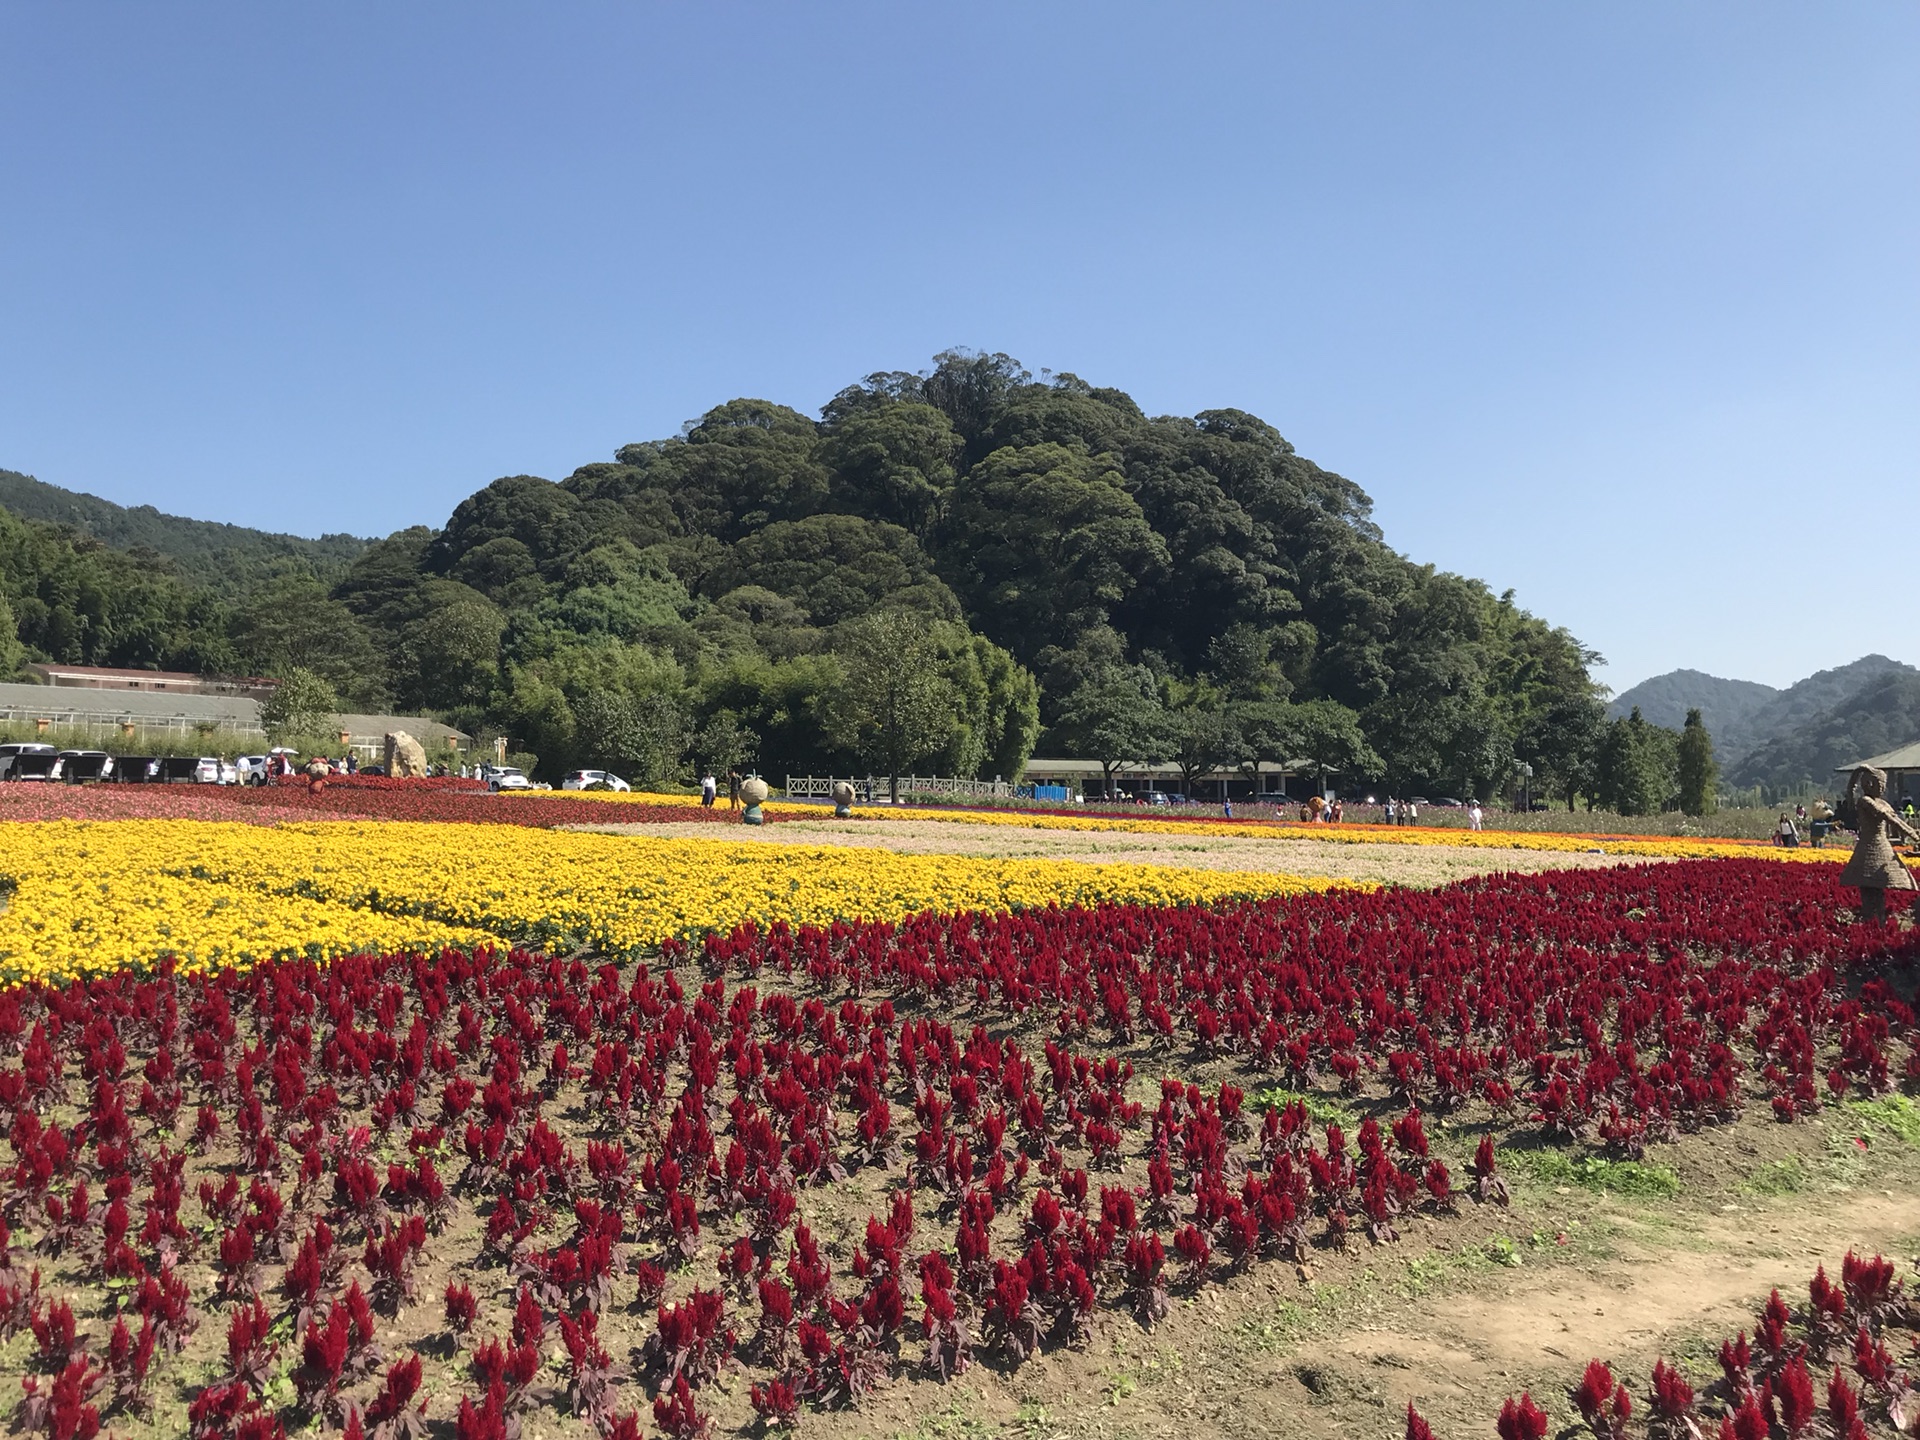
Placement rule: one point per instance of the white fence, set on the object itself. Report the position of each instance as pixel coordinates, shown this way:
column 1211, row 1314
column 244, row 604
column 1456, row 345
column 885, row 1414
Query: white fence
column 820, row 787
column 111, row 722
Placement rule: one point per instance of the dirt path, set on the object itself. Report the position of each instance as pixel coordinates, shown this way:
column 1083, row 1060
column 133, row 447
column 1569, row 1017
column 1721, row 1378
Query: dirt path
column 1207, row 1373
column 1395, row 864
column 1626, row 1308
column 1463, row 1313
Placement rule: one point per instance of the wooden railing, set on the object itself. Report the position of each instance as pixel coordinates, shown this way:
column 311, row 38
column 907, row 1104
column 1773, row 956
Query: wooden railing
column 820, row 787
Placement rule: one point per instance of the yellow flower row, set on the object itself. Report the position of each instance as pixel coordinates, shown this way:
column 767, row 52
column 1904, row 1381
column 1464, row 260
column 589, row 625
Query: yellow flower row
column 1660, row 847
column 98, row 896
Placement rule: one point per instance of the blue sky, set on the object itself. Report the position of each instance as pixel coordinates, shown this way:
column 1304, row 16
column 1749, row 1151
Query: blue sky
column 1612, row 305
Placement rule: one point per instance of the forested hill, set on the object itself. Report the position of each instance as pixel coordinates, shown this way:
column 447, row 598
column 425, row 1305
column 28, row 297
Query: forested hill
column 1728, row 708
column 1786, row 740
column 1881, row 714
column 1189, row 586
column 225, row 558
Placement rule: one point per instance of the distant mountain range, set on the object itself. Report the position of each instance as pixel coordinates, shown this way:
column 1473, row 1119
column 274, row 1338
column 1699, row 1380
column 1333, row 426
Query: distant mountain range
column 227, row 559
column 1782, row 740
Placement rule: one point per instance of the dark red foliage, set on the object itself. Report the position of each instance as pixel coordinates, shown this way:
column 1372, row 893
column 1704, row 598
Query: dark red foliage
column 1522, row 1420
column 461, row 1307
column 676, row 1416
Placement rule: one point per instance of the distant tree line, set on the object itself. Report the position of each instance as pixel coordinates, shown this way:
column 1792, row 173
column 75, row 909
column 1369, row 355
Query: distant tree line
column 1040, row 554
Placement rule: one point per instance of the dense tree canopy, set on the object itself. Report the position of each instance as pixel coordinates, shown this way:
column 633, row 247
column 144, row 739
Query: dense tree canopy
column 1166, row 586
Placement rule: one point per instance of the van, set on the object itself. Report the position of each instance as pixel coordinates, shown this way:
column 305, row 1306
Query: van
column 31, row 762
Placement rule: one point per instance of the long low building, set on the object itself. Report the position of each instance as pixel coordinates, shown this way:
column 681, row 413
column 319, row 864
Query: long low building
column 177, row 721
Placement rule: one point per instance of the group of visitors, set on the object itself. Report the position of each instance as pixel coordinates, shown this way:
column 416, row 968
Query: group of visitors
column 1319, row 809
column 710, row 790
column 1402, row 812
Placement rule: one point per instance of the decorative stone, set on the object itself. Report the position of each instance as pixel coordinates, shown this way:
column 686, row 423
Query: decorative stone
column 843, row 798
column 406, row 756
column 753, row 793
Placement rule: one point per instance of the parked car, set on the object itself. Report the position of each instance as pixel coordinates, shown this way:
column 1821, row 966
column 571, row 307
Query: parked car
column 229, row 773
column 13, row 750
column 593, row 780
column 38, row 762
column 79, row 765
column 507, row 777
column 191, row 770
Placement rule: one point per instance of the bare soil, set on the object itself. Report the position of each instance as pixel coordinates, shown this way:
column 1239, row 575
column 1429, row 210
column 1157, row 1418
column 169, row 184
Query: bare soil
column 1418, row 865
column 1463, row 1312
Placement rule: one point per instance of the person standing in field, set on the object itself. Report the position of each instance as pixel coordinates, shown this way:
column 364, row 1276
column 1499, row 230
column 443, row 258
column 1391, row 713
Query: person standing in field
column 709, row 791
column 733, row 789
column 1413, row 813
column 1474, row 816
column 1392, row 812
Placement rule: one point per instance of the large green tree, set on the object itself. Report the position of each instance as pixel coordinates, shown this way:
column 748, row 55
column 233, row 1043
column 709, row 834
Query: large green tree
column 301, row 711
column 1636, row 767
column 12, row 652
column 1331, row 740
column 643, row 738
column 894, row 705
column 1560, row 739
column 1115, row 717
column 892, row 461
column 1053, row 541
column 1696, row 770
column 1202, row 736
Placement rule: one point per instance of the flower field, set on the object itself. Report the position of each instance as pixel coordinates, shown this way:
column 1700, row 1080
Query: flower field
column 104, row 896
column 685, row 1174
column 1652, row 848
column 1699, row 847
column 355, row 798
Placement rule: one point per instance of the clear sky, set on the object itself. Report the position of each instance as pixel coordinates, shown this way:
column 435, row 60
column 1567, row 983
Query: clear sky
column 1615, row 305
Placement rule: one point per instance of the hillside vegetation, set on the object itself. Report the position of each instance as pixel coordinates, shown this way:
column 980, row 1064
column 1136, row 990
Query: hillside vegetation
column 1039, row 553
column 227, row 559
column 1787, row 741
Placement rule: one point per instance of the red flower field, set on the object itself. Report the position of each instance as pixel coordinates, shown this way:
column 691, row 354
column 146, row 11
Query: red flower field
column 366, row 797
column 527, row 1184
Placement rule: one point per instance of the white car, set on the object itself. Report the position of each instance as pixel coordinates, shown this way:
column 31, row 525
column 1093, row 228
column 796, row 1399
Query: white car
column 507, row 777
column 208, row 770
column 40, row 761
column 251, row 769
column 593, row 780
